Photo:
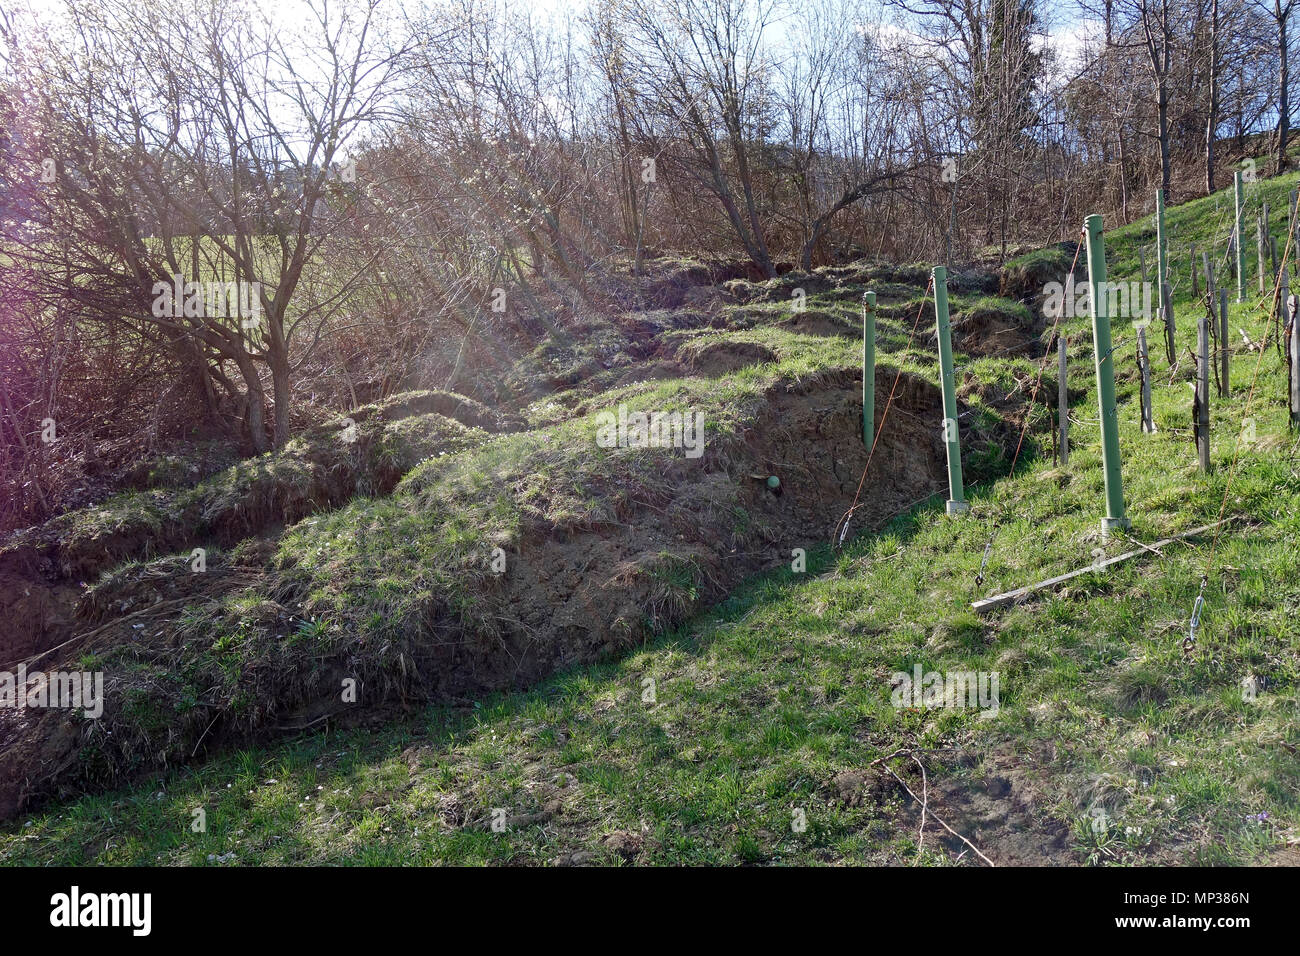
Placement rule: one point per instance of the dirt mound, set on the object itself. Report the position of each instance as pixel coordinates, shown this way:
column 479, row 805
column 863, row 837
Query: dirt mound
column 653, row 371
column 35, row 614
column 46, row 573
column 813, row 322
column 673, row 285
column 365, row 454
column 1026, row 278
column 992, row 328
column 201, row 661
column 460, row 408
column 718, row 358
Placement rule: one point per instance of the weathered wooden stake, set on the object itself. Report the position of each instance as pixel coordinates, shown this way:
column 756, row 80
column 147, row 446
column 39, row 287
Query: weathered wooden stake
column 1239, row 234
column 1144, row 366
column 1062, row 400
column 1284, row 298
column 1289, row 335
column 1212, row 304
column 868, row 368
column 1201, row 404
column 1261, row 230
column 988, row 604
column 1167, row 304
column 956, row 498
column 1295, row 361
column 1224, row 387
column 1290, row 226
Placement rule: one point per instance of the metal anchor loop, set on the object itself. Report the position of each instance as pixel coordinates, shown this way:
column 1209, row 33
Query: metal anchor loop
column 1189, row 641
column 984, row 563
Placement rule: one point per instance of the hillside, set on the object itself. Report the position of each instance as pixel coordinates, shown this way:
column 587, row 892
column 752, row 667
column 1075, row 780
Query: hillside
column 689, row 711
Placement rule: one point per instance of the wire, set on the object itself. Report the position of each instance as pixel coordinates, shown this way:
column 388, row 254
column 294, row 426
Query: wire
column 848, row 515
column 1024, row 430
column 1250, row 398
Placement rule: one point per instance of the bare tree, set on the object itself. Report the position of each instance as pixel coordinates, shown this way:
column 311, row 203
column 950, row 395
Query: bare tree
column 1212, row 119
column 1279, row 12
column 702, row 63
column 208, row 155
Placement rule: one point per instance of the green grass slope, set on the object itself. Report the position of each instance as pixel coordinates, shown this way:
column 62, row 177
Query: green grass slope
column 761, row 731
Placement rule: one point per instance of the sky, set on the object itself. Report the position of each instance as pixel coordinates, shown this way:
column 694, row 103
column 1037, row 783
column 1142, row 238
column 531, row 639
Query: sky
column 1066, row 31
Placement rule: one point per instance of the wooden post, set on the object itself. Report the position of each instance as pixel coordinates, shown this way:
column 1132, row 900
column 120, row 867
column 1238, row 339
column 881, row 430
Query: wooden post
column 1062, row 400
column 1201, row 404
column 868, row 369
column 956, row 498
column 1239, row 235
column 1212, row 305
column 988, row 604
column 1290, row 227
column 1261, row 230
column 1295, row 362
column 1284, row 302
column 1167, row 304
column 1224, row 388
column 1144, row 366
column 1284, row 299
column 1288, row 309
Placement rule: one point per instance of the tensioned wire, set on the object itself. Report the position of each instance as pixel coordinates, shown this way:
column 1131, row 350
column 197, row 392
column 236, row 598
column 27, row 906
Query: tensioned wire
column 847, row 516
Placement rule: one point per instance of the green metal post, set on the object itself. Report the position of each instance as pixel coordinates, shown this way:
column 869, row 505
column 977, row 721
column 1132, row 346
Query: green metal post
column 1241, row 236
column 1097, row 296
column 956, row 500
column 868, row 368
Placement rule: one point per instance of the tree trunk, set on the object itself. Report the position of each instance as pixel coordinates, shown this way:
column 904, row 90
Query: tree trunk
column 1283, row 105
column 1163, row 105
column 751, row 207
column 1123, row 170
column 255, row 416
column 282, row 394
column 1212, row 121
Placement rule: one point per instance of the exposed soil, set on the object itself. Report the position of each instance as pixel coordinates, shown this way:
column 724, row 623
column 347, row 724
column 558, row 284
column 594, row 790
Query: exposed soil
column 36, row 614
column 719, row 358
column 996, row 804
column 811, row 322
column 986, row 333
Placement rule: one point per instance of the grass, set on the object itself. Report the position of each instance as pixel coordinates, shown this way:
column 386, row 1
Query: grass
column 727, row 741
